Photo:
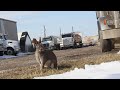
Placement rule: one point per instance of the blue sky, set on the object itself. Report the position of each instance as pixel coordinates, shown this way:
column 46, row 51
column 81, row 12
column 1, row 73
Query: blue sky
column 33, row 22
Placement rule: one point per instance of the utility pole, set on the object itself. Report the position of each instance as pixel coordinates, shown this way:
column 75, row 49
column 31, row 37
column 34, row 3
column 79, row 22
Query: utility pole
column 44, row 31
column 72, row 29
column 60, row 31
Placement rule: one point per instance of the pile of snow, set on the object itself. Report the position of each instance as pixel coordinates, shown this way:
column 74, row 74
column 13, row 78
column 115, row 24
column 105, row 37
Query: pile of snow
column 109, row 70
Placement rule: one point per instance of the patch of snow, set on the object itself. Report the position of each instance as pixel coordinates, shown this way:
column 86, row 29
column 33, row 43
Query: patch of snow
column 118, row 52
column 23, row 54
column 108, row 70
column 7, row 56
column 18, row 55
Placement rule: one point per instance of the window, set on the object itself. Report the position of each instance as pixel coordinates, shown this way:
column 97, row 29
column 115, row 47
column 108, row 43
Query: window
column 1, row 37
column 66, row 35
column 5, row 37
column 47, row 39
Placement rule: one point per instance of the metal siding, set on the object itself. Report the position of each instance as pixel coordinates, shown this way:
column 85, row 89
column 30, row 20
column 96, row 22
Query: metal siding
column 10, row 30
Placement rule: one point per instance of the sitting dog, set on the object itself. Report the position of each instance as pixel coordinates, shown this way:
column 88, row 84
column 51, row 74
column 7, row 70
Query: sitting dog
column 42, row 56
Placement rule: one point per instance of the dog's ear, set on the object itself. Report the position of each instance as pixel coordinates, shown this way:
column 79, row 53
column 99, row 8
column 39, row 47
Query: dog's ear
column 39, row 39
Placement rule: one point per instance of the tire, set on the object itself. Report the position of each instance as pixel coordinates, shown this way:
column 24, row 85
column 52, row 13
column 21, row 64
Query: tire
column 1, row 53
column 57, row 47
column 15, row 54
column 81, row 45
column 61, row 48
column 10, row 51
column 113, row 45
column 109, row 45
column 106, row 45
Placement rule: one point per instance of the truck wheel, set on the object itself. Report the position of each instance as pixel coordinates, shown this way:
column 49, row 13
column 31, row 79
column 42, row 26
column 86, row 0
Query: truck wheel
column 113, row 45
column 61, row 48
column 109, row 45
column 15, row 54
column 106, row 45
column 80, row 45
column 10, row 51
column 1, row 53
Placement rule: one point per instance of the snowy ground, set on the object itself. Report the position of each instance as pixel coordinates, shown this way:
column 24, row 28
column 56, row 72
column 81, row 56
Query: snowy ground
column 109, row 70
column 12, row 56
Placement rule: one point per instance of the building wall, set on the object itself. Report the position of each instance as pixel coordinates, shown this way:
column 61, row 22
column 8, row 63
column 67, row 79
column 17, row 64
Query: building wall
column 10, row 29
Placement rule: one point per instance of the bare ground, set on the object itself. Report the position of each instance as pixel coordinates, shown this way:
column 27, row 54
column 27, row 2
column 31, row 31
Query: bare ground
column 27, row 67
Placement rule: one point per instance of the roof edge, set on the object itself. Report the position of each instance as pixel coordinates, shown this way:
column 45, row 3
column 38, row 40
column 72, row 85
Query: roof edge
column 7, row 20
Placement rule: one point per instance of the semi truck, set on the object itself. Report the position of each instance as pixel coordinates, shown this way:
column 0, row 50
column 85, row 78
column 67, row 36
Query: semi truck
column 108, row 23
column 73, row 39
column 8, row 30
column 52, row 42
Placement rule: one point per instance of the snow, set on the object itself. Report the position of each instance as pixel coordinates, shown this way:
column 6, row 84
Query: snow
column 7, row 56
column 118, row 52
column 108, row 70
column 18, row 55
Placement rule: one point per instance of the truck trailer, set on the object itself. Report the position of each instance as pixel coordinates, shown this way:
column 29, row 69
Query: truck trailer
column 108, row 29
column 8, row 30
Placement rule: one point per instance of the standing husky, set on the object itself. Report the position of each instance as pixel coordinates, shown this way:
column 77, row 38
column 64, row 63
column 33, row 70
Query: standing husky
column 42, row 55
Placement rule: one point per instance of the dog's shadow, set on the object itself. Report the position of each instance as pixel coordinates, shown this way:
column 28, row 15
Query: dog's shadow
column 64, row 66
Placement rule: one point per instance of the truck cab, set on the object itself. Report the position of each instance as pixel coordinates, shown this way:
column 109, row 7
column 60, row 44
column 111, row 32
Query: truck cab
column 71, row 40
column 11, row 47
column 52, row 42
column 48, row 42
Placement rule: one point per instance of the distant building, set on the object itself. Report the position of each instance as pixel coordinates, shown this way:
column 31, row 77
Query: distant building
column 9, row 28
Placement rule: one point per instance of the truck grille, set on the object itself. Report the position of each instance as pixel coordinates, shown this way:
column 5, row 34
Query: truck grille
column 46, row 45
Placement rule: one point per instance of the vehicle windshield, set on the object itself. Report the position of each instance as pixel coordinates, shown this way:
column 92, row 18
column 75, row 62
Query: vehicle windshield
column 1, row 37
column 5, row 37
column 47, row 39
column 66, row 35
